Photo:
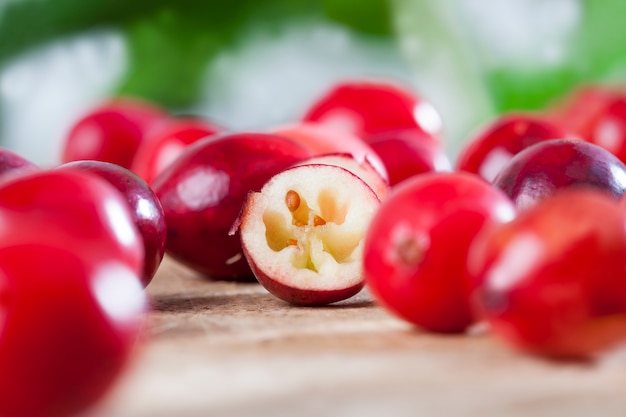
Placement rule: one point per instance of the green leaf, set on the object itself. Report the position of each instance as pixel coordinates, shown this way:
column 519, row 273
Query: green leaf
column 28, row 23
column 171, row 49
column 170, row 43
column 168, row 54
column 369, row 16
column 596, row 53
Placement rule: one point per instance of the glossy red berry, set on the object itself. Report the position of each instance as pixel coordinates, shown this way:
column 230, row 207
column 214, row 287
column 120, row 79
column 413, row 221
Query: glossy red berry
column 320, row 140
column 409, row 152
column 145, row 208
column 366, row 107
column 552, row 281
column 71, row 300
column 12, row 163
column 166, row 142
column 541, row 169
column 597, row 114
column 80, row 212
column 203, row 191
column 67, row 329
column 112, row 132
column 417, row 245
column 494, row 145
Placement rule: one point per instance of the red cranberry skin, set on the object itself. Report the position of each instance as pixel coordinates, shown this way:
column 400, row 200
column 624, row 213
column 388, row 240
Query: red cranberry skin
column 494, row 145
column 321, row 140
column 598, row 115
column 71, row 299
column 13, row 163
column 74, row 210
column 111, row 132
column 146, row 210
column 552, row 282
column 541, row 169
column 68, row 327
column 409, row 152
column 166, row 142
column 366, row 107
column 203, row 191
column 417, row 245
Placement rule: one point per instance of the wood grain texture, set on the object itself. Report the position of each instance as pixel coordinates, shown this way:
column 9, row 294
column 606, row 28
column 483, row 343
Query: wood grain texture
column 227, row 349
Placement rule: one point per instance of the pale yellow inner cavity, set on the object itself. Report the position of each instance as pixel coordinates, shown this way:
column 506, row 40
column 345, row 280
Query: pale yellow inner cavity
column 315, row 234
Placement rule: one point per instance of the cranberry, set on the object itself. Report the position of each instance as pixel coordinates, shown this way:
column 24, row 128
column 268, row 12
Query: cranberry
column 540, row 169
column 78, row 211
column 364, row 170
column 365, row 107
column 409, row 152
column 203, row 191
column 321, row 140
column 164, row 143
column 12, row 163
column 417, row 244
column 145, row 207
column 67, row 328
column 552, row 281
column 492, row 148
column 303, row 239
column 111, row 132
column 71, row 300
column 597, row 114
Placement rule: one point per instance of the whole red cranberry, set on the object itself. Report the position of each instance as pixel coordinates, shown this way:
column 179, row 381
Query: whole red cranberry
column 112, row 132
column 416, row 247
column 552, row 281
column 487, row 152
column 409, row 152
column 321, row 140
column 146, row 210
column 366, row 107
column 71, row 299
column 166, row 141
column 81, row 212
column 68, row 328
column 541, row 169
column 11, row 163
column 597, row 113
column 203, row 191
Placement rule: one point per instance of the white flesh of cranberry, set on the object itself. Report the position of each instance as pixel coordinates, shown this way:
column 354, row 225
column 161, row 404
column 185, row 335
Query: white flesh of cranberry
column 364, row 170
column 305, row 228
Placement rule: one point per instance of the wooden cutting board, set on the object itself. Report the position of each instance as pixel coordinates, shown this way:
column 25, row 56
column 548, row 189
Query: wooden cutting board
column 227, row 349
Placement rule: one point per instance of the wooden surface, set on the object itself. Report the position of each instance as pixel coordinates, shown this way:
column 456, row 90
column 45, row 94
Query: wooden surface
column 225, row 349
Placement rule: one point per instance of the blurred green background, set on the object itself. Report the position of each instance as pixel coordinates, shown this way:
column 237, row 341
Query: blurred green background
column 254, row 63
